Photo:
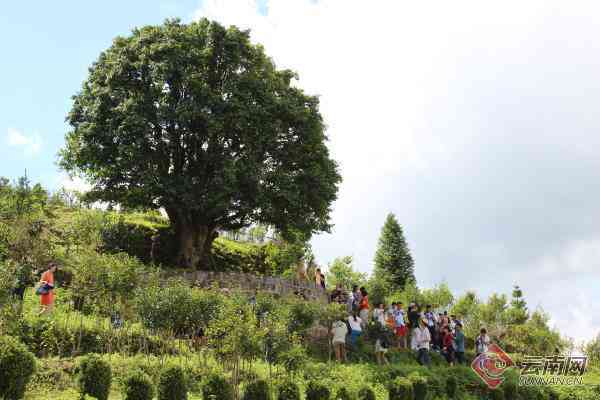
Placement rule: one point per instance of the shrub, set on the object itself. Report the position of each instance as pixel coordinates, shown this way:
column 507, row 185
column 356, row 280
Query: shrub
column 257, row 390
column 451, row 387
column 288, row 391
column 497, row 394
column 172, row 384
column 317, row 391
column 419, row 386
column 366, row 393
column 342, row 394
column 94, row 377
column 217, row 388
column 401, row 389
column 17, row 365
column 510, row 390
column 138, row 386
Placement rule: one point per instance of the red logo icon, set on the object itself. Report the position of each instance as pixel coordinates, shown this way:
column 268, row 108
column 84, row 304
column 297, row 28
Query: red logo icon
column 491, row 365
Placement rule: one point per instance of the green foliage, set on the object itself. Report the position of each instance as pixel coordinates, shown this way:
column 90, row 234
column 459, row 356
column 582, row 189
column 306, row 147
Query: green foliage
column 105, row 280
column 451, row 387
column 288, row 390
column 343, row 394
column 419, row 386
column 237, row 161
column 94, row 377
column 317, row 391
column 294, row 359
column 138, row 386
column 257, row 390
column 592, row 350
column 393, row 261
column 510, row 389
column 176, row 307
column 341, row 271
column 303, row 316
column 401, row 389
column 172, row 384
column 217, row 388
column 17, row 365
column 366, row 393
column 497, row 394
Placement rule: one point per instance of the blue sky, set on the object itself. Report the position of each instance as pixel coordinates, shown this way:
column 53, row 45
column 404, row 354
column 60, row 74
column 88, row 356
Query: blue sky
column 476, row 123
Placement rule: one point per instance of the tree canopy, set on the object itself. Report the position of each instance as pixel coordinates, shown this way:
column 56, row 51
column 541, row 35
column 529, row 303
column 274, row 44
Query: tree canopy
column 197, row 120
column 393, row 261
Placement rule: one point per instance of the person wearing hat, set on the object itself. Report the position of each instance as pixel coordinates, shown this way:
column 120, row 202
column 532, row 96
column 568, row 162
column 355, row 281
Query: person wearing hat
column 422, row 340
column 46, row 288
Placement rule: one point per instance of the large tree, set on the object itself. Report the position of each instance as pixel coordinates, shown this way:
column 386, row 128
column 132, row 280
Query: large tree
column 196, row 119
column 393, row 261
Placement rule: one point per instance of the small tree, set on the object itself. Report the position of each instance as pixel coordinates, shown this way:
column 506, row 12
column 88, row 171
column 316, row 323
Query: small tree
column 17, row 365
column 94, row 377
column 172, row 384
column 341, row 271
column 288, row 390
column 343, row 394
column 366, row 393
column 317, row 391
column 217, row 388
column 393, row 261
column 138, row 386
column 257, row 390
column 401, row 389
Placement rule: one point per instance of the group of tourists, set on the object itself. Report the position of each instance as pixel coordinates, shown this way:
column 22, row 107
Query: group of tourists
column 416, row 327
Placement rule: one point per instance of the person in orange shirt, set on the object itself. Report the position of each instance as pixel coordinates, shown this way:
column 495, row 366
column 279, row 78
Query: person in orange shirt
column 363, row 307
column 46, row 288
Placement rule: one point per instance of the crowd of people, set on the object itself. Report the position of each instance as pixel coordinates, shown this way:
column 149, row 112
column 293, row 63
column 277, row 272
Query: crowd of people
column 418, row 328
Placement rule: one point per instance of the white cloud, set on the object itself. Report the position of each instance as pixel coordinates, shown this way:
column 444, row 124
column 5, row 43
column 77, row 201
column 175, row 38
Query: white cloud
column 473, row 121
column 31, row 144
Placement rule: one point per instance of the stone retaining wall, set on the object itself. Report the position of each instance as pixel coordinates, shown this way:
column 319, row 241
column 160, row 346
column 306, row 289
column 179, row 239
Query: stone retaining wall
column 251, row 283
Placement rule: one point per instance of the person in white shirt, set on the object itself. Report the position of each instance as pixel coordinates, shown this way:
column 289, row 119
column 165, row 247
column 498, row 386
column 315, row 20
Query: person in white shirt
column 482, row 342
column 355, row 328
column 379, row 314
column 422, row 338
column 339, row 331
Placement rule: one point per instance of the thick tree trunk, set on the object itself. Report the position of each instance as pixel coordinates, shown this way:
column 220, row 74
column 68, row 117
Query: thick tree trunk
column 194, row 242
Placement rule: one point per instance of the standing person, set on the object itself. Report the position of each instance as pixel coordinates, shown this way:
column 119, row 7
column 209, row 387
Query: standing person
column 356, row 298
column 482, row 342
column 323, row 286
column 430, row 316
column 448, row 345
column 445, row 321
column 363, row 308
column 452, row 323
column 46, row 288
column 339, row 332
column 381, row 347
column 400, row 325
column 318, row 277
column 24, row 275
column 422, row 340
column 355, row 328
column 337, row 294
column 350, row 301
column 459, row 344
column 379, row 314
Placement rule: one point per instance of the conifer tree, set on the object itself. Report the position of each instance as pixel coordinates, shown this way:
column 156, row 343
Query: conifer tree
column 393, row 261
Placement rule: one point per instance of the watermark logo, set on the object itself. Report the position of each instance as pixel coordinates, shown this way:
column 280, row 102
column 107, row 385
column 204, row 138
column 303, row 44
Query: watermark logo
column 491, row 366
column 552, row 370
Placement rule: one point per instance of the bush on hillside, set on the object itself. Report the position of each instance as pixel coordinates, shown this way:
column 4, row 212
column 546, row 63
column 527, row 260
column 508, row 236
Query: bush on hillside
column 343, row 394
column 257, row 390
column 317, row 391
column 175, row 307
column 419, row 386
column 94, row 377
column 401, row 389
column 138, row 386
column 497, row 394
column 172, row 384
column 288, row 390
column 217, row 388
column 510, row 390
column 366, row 393
column 451, row 387
column 17, row 365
